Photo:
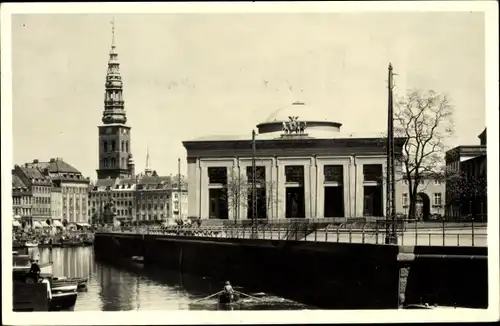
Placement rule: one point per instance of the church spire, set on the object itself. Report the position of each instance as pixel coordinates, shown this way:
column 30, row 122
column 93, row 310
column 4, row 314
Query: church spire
column 114, row 106
column 148, row 170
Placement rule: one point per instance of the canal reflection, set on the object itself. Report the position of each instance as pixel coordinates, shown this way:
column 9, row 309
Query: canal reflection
column 129, row 286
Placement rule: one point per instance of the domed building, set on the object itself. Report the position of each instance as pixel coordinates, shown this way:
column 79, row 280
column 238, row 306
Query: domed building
column 306, row 167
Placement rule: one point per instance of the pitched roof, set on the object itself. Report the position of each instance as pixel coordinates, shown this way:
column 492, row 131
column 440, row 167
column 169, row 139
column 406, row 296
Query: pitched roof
column 59, row 165
column 17, row 182
column 55, row 165
column 144, row 182
column 35, row 175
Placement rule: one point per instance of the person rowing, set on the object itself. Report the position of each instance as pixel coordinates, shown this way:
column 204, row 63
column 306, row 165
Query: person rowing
column 228, row 289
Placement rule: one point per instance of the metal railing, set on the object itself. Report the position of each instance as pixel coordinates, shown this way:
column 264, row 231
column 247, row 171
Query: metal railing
column 407, row 232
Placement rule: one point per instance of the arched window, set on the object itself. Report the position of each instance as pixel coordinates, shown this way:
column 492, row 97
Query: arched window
column 113, row 145
column 126, row 146
column 123, row 161
column 105, row 146
column 105, row 162
column 123, row 146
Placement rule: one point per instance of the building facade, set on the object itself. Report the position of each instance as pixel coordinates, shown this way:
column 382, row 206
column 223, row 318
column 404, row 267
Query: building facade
column 56, row 204
column 119, row 194
column 40, row 187
column 21, row 200
column 466, row 191
column 304, row 168
column 430, row 202
column 70, row 190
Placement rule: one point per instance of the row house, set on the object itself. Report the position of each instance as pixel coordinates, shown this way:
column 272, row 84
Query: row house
column 147, row 197
column 21, row 200
column 40, row 187
column 70, row 190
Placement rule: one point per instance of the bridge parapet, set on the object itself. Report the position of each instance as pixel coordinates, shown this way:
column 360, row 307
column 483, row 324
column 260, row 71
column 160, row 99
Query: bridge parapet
column 327, row 230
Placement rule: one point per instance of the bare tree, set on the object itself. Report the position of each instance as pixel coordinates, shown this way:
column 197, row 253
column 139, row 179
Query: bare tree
column 425, row 119
column 239, row 188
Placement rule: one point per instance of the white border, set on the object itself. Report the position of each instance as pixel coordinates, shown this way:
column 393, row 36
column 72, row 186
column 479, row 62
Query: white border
column 293, row 317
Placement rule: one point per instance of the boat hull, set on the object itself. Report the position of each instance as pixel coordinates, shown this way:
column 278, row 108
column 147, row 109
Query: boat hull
column 29, row 297
column 226, row 298
column 62, row 301
column 62, row 281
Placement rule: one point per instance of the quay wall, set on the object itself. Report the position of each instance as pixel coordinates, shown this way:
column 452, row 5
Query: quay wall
column 447, row 276
column 322, row 274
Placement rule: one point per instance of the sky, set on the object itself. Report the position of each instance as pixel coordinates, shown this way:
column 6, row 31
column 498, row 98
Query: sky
column 192, row 75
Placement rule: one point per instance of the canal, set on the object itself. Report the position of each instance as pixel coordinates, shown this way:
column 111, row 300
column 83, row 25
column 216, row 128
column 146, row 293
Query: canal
column 130, row 286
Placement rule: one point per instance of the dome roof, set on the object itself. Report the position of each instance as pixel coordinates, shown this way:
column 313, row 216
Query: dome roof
column 297, row 109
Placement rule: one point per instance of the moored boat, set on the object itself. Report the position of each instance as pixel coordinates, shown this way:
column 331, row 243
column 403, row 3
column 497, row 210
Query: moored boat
column 138, row 259
column 17, row 244
column 88, row 242
column 64, row 294
column 29, row 295
column 80, row 281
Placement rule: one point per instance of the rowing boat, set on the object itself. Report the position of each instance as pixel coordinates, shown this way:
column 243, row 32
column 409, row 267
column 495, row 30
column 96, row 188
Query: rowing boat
column 227, row 298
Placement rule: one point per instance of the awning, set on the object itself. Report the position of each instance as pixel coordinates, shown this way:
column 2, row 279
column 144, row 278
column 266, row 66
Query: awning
column 83, row 224
column 57, row 223
column 16, row 223
column 37, row 224
column 17, row 217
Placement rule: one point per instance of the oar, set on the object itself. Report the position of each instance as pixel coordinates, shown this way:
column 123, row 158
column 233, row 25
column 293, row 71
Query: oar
column 213, row 295
column 248, row 295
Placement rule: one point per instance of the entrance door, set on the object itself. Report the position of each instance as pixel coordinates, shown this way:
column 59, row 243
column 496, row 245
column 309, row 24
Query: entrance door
column 295, row 204
column 217, row 204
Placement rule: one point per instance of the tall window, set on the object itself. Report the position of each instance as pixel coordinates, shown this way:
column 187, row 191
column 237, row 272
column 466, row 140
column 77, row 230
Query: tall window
column 113, row 145
column 123, row 146
column 372, row 172
column 333, row 173
column 405, row 199
column 260, row 174
column 294, row 173
column 105, row 146
column 437, row 198
column 217, row 175
column 126, row 146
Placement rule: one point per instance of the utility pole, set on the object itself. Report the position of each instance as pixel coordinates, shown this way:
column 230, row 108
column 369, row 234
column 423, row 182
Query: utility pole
column 391, row 237
column 254, row 186
column 179, row 186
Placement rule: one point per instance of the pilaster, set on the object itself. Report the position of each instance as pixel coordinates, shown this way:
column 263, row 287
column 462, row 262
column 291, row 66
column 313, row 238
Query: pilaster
column 359, row 188
column 313, row 172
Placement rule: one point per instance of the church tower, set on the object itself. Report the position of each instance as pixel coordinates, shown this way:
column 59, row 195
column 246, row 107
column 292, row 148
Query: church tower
column 114, row 134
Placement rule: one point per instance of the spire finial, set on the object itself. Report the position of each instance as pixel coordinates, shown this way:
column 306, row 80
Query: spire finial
column 148, row 163
column 113, row 32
